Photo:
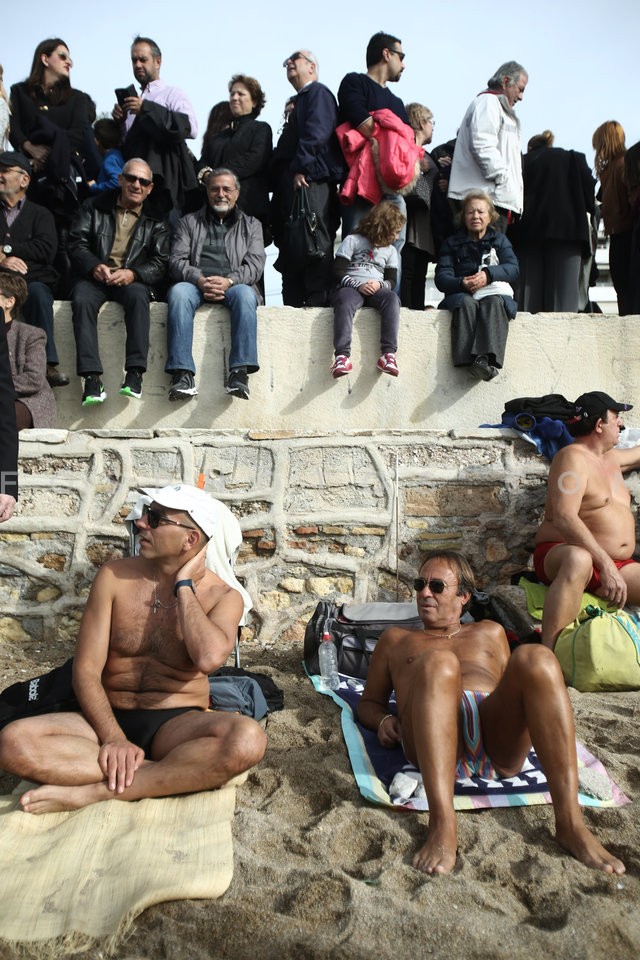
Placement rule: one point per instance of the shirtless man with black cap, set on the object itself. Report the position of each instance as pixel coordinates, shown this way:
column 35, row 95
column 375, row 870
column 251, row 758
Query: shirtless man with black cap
column 587, row 538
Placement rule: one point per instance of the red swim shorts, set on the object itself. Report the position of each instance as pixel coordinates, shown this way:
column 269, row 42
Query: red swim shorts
column 542, row 549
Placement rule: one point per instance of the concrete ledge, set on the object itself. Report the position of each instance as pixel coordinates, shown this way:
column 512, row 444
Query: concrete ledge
column 294, row 393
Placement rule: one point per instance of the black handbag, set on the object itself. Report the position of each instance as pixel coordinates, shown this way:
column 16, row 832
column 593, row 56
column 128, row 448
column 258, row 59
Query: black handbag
column 49, row 693
column 307, row 236
column 355, row 629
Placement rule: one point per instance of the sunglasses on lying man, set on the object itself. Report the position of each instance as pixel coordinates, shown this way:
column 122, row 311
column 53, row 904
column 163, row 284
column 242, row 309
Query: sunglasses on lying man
column 436, row 586
column 154, row 518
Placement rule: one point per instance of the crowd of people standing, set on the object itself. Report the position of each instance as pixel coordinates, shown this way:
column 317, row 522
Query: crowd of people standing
column 79, row 223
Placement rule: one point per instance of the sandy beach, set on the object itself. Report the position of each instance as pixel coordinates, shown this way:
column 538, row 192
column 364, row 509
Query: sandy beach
column 321, row 873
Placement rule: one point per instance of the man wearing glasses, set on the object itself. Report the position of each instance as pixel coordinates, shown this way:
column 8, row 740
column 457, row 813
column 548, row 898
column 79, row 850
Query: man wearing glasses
column 359, row 95
column 28, row 245
column 217, row 256
column 119, row 250
column 155, row 625
column 307, row 156
column 466, row 707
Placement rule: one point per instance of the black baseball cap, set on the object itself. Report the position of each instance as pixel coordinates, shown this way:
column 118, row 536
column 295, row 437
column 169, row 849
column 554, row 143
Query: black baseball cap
column 591, row 407
column 12, row 158
column 596, row 402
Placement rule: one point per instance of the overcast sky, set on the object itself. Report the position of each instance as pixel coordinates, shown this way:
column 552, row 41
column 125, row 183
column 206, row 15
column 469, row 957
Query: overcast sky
column 581, row 55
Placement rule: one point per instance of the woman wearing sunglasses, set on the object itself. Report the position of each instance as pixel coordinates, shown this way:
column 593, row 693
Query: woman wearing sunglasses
column 51, row 125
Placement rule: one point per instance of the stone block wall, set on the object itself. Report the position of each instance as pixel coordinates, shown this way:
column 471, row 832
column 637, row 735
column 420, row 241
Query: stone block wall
column 338, row 486
column 323, row 517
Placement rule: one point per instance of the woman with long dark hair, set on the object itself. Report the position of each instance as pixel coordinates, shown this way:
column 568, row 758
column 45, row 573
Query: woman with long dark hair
column 609, row 145
column 50, row 124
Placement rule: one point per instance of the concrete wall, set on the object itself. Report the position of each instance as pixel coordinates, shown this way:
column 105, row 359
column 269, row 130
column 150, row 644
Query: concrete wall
column 338, row 486
column 293, row 391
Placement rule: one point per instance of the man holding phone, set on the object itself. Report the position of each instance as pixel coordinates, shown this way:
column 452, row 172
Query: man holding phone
column 157, row 123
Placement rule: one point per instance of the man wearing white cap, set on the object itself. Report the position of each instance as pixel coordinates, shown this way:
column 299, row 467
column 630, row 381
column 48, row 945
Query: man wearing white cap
column 154, row 627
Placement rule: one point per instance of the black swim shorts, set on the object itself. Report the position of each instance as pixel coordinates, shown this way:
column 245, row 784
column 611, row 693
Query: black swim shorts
column 141, row 726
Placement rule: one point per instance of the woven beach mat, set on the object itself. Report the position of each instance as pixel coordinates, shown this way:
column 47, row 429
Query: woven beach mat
column 75, row 881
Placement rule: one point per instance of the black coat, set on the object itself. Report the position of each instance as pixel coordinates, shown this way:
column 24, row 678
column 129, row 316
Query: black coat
column 34, row 239
column 244, row 147
column 158, row 136
column 559, row 192
column 461, row 256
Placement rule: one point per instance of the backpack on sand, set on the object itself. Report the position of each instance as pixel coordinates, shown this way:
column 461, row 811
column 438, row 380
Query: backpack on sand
column 355, row 629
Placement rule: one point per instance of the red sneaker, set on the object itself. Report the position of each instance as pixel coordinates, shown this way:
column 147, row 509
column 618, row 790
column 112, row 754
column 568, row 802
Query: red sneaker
column 387, row 363
column 341, row 366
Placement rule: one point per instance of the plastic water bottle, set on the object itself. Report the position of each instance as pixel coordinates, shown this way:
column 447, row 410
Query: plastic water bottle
column 328, row 657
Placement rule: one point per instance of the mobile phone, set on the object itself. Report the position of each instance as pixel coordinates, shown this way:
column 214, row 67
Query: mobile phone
column 123, row 92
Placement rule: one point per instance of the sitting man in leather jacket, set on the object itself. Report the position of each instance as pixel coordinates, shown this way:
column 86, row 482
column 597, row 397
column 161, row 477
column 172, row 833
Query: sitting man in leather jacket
column 119, row 250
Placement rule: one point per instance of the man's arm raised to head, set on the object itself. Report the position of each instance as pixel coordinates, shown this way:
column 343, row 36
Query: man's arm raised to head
column 209, row 635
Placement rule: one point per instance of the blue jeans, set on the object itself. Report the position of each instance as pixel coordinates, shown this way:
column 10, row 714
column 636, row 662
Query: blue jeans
column 183, row 301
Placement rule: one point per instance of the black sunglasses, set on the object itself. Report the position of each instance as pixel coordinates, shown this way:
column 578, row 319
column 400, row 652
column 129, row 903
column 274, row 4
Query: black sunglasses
column 298, row 55
column 435, row 585
column 398, row 53
column 154, row 518
column 130, row 178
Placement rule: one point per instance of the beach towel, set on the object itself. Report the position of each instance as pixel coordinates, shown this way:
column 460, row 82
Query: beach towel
column 375, row 769
column 77, row 880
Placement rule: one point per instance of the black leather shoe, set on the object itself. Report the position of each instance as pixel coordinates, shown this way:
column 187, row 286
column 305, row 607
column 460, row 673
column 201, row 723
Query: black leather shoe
column 481, row 369
column 55, row 377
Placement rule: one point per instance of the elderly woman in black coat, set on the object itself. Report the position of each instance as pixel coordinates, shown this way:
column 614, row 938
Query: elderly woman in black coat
column 476, row 270
column 244, row 146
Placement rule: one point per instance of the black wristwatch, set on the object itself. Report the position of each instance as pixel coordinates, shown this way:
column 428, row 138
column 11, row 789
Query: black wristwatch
column 183, row 583
column 7, row 248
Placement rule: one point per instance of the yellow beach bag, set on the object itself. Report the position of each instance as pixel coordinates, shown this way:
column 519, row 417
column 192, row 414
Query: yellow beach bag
column 600, row 651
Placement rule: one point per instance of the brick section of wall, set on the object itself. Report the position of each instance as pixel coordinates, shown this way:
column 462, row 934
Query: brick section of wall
column 318, row 516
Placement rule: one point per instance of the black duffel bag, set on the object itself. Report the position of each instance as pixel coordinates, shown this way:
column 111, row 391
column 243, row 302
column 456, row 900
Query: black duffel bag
column 355, row 630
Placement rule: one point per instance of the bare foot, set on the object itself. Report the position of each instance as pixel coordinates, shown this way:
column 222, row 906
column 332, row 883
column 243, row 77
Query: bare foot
column 53, row 799
column 438, row 855
column 580, row 842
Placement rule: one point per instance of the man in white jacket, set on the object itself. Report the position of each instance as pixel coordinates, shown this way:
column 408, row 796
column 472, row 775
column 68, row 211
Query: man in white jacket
column 487, row 154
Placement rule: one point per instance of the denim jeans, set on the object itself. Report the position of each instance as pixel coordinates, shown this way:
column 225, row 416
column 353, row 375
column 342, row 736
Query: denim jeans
column 346, row 300
column 183, row 301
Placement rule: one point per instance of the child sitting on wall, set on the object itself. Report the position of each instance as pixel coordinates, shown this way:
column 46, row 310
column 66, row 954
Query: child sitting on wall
column 106, row 133
column 366, row 267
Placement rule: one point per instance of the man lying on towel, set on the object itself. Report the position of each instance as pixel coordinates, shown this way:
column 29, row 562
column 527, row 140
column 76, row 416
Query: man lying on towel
column 154, row 626
column 465, row 706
